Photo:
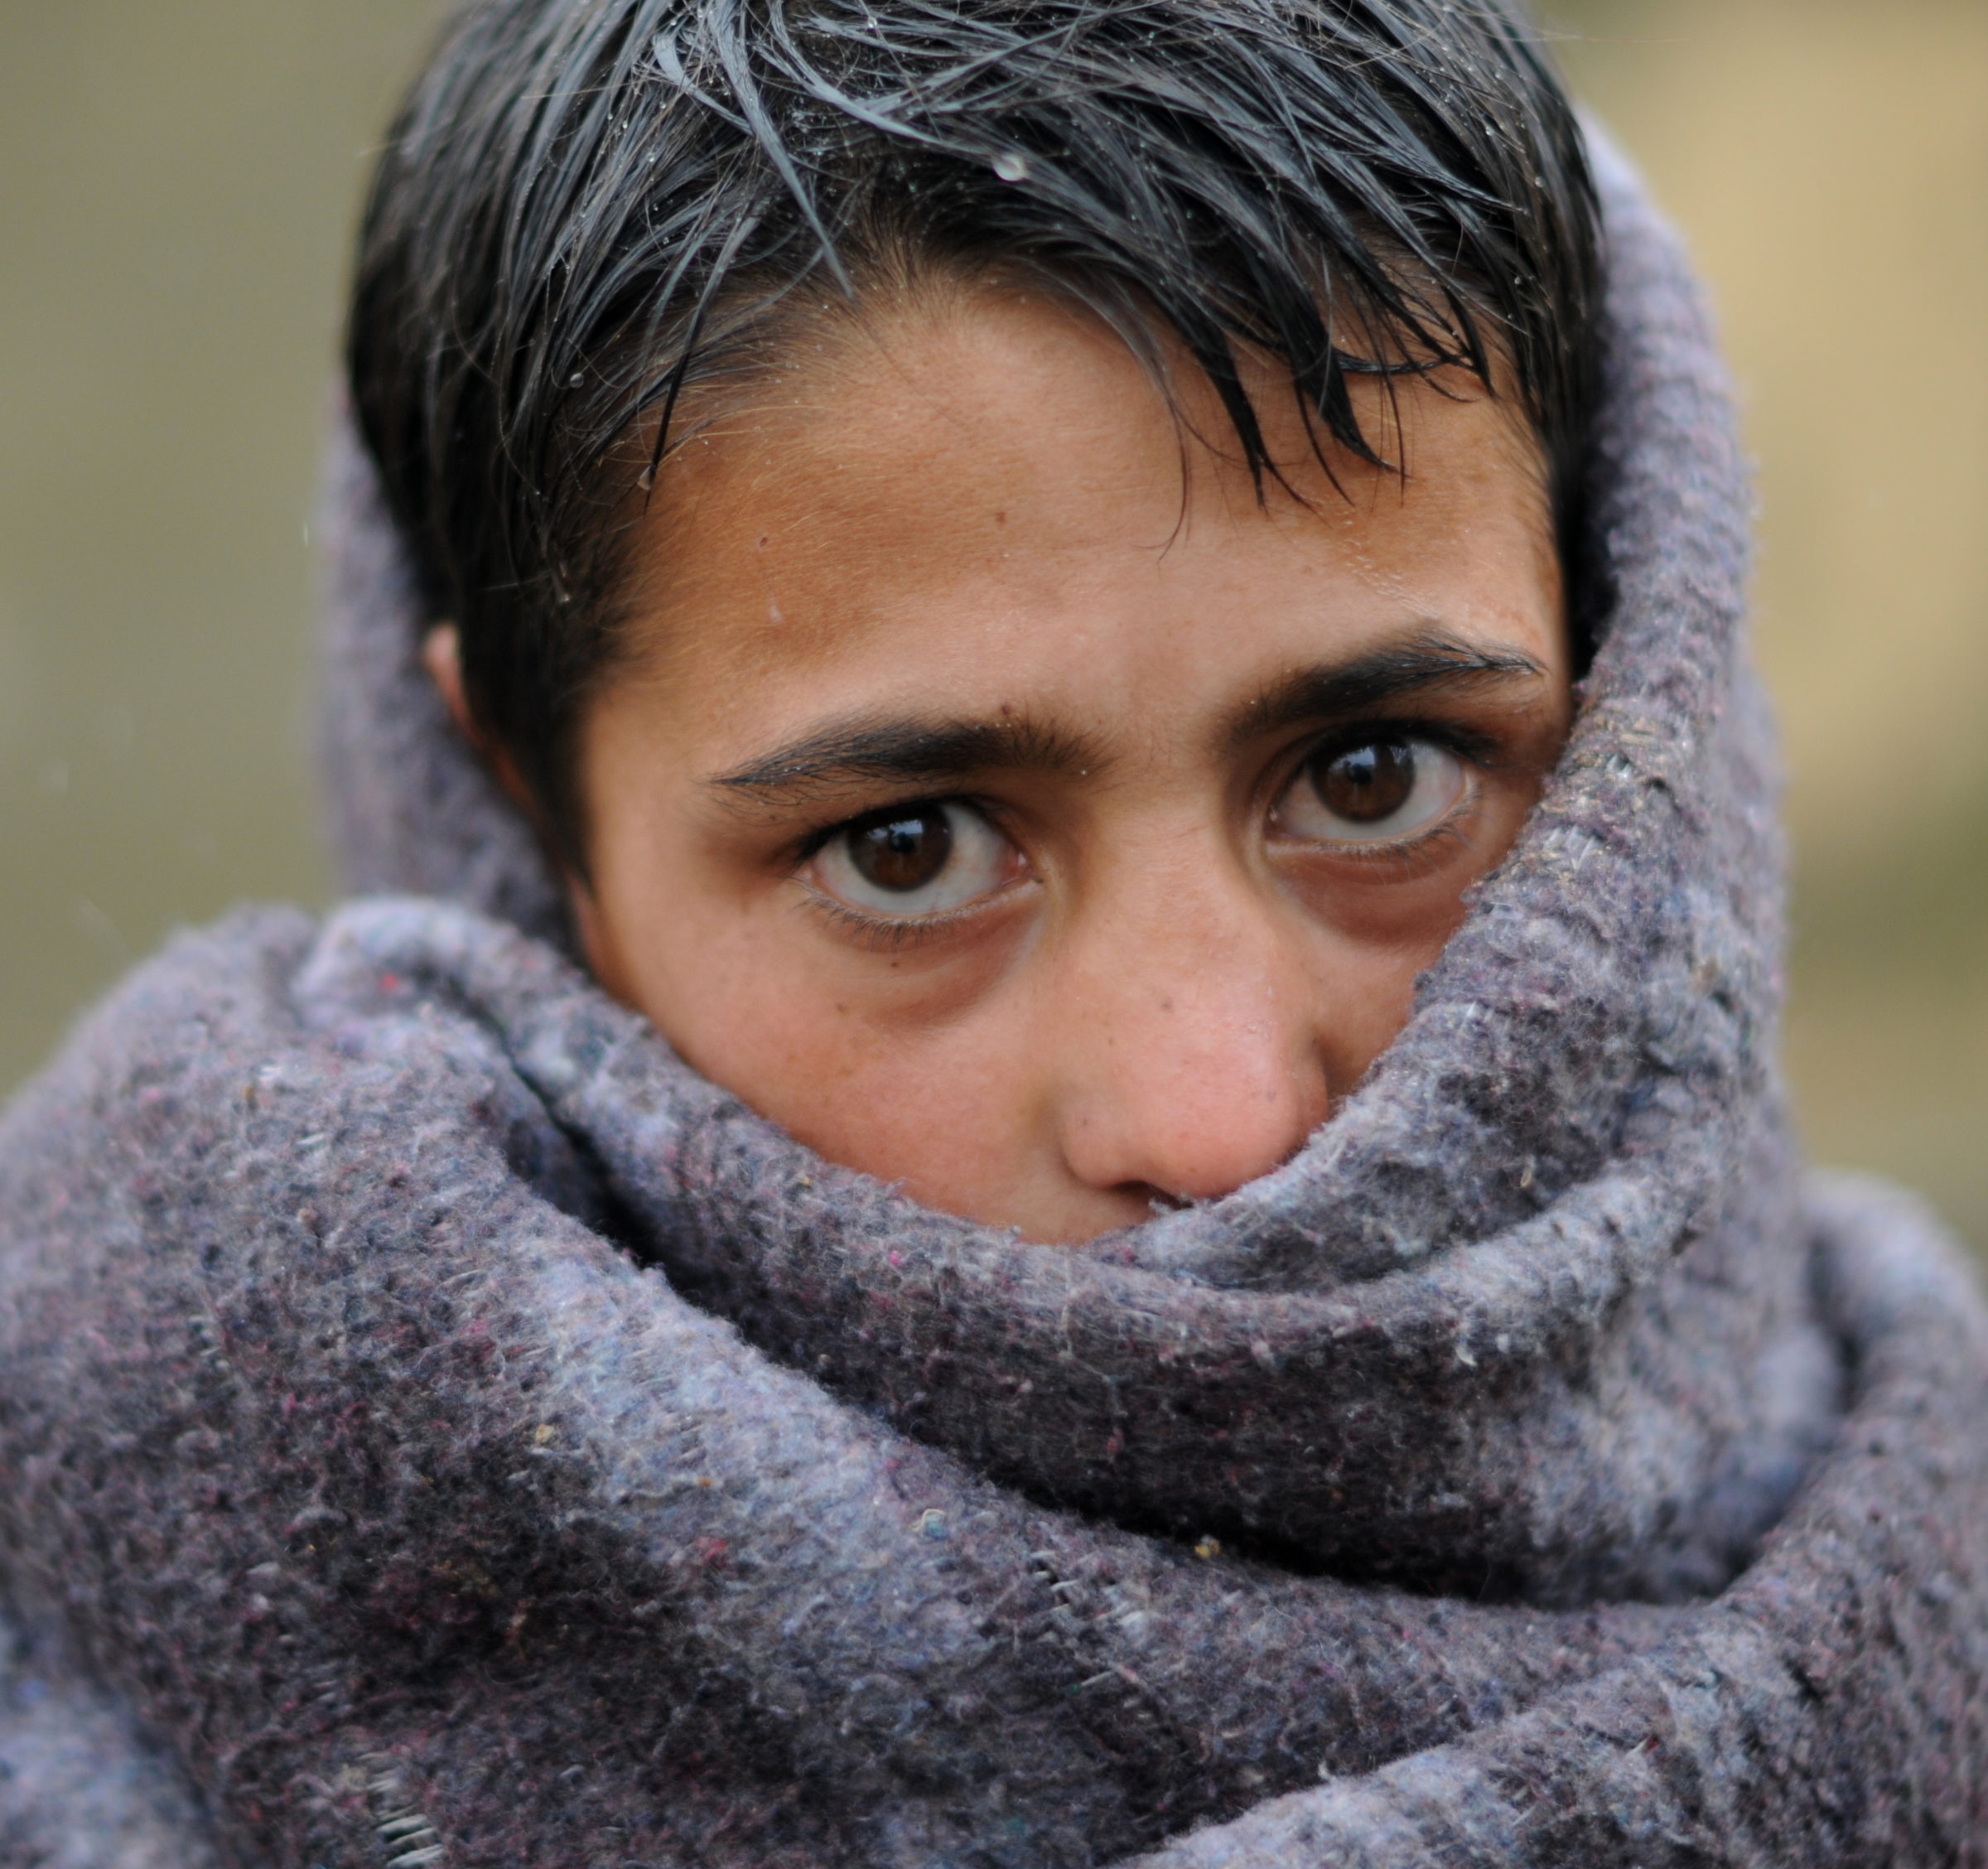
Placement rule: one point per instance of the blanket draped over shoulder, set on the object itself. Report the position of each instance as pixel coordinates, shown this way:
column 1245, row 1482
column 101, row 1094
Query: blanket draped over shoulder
column 438, row 1427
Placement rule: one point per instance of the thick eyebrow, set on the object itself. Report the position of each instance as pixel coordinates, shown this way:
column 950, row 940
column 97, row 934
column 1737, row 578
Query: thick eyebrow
column 1435, row 662
column 866, row 749
column 912, row 752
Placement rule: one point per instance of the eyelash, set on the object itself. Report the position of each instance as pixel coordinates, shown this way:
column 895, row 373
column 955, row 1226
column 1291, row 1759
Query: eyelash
column 1415, row 854
column 888, row 934
column 810, row 844
column 1479, row 748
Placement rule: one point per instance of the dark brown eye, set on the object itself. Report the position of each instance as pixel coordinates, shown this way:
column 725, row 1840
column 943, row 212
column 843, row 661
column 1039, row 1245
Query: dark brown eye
column 1368, row 785
column 902, row 852
column 915, row 860
column 1382, row 792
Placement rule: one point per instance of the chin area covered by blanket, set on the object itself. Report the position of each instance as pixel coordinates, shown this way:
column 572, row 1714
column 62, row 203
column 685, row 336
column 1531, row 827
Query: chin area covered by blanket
column 437, row 1426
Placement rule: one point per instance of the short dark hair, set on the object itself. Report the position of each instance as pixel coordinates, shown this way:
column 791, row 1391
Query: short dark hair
column 587, row 206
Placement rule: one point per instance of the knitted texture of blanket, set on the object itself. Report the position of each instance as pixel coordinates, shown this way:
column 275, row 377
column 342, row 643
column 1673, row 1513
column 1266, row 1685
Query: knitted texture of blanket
column 437, row 1427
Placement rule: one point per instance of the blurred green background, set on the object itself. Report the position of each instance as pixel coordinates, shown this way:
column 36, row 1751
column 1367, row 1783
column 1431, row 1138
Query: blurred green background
column 180, row 187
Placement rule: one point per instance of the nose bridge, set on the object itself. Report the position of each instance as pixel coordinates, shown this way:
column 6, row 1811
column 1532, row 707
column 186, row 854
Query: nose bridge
column 1191, row 1059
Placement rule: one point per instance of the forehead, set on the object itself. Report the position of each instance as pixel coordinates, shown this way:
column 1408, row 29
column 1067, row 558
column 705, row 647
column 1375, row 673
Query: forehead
column 983, row 489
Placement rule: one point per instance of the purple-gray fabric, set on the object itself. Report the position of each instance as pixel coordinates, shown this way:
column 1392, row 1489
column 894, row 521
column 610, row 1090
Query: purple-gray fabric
column 437, row 1427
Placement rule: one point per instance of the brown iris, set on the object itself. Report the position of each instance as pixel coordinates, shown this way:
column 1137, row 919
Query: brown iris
column 1366, row 784
column 901, row 850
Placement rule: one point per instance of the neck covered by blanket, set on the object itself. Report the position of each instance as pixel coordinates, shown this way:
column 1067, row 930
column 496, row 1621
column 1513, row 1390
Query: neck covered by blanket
column 438, row 1427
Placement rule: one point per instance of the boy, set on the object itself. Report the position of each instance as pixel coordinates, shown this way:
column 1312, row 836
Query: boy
column 1105, row 464
column 1159, row 1229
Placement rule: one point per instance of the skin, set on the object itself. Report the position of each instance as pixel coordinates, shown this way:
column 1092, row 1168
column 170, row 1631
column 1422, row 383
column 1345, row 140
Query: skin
column 960, row 551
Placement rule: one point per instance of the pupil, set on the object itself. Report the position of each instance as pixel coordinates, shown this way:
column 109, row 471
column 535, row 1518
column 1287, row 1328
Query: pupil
column 1368, row 784
column 903, row 851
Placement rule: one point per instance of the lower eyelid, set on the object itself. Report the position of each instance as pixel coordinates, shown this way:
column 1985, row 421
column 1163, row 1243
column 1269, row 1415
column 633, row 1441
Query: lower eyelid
column 886, row 932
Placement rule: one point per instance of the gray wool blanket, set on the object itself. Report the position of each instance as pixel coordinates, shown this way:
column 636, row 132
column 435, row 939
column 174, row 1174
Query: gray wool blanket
column 436, row 1426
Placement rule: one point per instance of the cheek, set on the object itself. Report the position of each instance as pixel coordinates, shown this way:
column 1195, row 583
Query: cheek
column 942, row 1117
column 948, row 1110
column 1362, row 992
column 916, row 1070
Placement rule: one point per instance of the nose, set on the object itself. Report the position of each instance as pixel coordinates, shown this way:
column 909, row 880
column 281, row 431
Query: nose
column 1190, row 1054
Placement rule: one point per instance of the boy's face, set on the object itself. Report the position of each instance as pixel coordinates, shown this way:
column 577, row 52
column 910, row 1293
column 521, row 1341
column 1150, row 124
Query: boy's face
column 1004, row 817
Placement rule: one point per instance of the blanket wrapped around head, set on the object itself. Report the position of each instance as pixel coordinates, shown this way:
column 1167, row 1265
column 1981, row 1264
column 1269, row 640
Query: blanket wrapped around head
column 438, row 1427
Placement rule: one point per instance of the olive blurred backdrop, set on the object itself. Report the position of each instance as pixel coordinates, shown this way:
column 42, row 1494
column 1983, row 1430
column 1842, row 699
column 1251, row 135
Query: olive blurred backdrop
column 180, row 187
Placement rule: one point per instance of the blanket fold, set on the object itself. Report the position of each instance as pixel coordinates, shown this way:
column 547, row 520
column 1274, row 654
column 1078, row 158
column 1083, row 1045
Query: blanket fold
column 437, row 1427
